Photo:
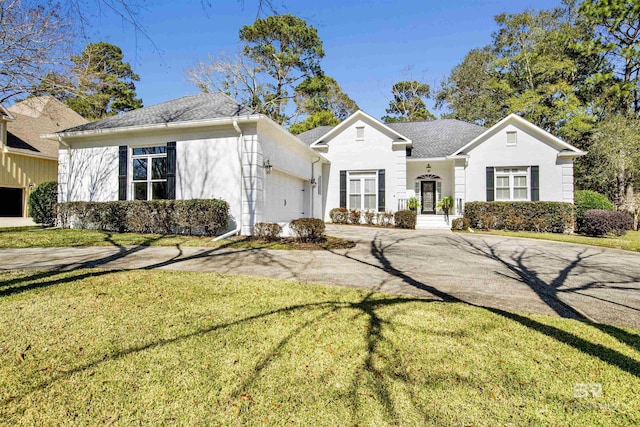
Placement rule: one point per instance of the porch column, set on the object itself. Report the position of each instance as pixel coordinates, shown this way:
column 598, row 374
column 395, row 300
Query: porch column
column 459, row 182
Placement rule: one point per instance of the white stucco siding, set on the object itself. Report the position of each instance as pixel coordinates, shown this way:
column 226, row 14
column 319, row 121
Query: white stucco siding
column 210, row 168
column 567, row 180
column 373, row 152
column 88, row 175
column 289, row 180
column 529, row 151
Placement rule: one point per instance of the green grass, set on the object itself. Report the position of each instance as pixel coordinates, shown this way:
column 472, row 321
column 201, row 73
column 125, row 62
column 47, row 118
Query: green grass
column 156, row 347
column 630, row 241
column 36, row 237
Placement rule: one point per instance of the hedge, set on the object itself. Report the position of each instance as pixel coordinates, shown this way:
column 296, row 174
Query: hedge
column 42, row 203
column 460, row 224
column 600, row 222
column 587, row 199
column 553, row 217
column 196, row 216
column 339, row 215
column 405, row 219
column 267, row 231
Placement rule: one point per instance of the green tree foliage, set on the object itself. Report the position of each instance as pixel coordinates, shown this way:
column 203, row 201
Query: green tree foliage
column 615, row 157
column 99, row 84
column 408, row 102
column 469, row 91
column 42, row 202
column 319, row 118
column 617, row 23
column 286, row 49
column 323, row 93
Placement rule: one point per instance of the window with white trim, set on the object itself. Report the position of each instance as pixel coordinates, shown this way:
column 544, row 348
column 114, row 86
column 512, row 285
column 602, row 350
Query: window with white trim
column 149, row 173
column 363, row 193
column 512, row 183
column 512, row 139
column 360, row 132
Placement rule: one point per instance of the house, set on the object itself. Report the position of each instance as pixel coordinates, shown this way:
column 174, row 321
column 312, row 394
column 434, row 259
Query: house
column 377, row 166
column 28, row 160
column 200, row 146
column 208, row 145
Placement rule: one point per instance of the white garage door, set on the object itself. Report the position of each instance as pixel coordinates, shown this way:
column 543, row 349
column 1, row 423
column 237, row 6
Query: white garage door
column 284, row 198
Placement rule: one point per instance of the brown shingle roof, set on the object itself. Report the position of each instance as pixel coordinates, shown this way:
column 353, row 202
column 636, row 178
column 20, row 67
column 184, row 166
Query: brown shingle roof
column 37, row 116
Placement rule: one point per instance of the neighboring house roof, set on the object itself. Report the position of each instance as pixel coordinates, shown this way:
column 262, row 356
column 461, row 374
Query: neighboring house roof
column 564, row 149
column 204, row 106
column 36, row 116
column 5, row 115
column 434, row 138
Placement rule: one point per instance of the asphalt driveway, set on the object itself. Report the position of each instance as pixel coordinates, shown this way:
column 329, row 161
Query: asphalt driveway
column 535, row 276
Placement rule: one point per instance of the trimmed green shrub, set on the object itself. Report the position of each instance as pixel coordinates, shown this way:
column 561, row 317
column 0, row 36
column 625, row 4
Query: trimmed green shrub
column 42, row 202
column 600, row 222
column 460, row 224
column 405, row 219
column 354, row 216
column 553, row 217
column 196, row 216
column 307, row 229
column 339, row 215
column 587, row 199
column 267, row 231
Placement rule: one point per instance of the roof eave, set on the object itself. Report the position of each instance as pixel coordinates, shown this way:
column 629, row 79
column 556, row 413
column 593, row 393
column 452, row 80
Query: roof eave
column 571, row 154
column 38, row 155
column 155, row 126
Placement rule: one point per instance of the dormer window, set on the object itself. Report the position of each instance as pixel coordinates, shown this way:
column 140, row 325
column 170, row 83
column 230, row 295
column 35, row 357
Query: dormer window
column 359, row 132
column 512, row 139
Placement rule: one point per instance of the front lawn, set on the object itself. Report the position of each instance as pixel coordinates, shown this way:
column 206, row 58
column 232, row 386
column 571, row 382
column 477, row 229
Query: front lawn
column 630, row 241
column 36, row 237
column 160, row 347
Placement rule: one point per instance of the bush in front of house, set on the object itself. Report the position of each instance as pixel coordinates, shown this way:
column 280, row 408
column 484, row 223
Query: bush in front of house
column 587, row 199
column 307, row 229
column 196, row 216
column 369, row 217
column 354, row 216
column 384, row 219
column 339, row 215
column 405, row 219
column 601, row 222
column 460, row 224
column 552, row 217
column 267, row 231
column 42, row 202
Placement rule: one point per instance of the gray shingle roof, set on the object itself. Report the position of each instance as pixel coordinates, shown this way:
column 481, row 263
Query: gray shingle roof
column 435, row 138
column 188, row 108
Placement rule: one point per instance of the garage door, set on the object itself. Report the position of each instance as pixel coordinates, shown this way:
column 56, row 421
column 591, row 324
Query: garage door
column 10, row 201
column 284, row 198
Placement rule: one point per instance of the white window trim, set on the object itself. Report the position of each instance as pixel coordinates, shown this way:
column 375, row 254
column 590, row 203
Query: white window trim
column 498, row 171
column 359, row 129
column 366, row 174
column 515, row 139
column 149, row 179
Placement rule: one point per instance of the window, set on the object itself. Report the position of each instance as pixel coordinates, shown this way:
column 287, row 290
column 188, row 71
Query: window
column 360, row 132
column 362, row 191
column 512, row 183
column 319, row 184
column 512, row 139
column 149, row 173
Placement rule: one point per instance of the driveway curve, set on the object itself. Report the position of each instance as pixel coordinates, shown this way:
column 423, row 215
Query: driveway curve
column 536, row 276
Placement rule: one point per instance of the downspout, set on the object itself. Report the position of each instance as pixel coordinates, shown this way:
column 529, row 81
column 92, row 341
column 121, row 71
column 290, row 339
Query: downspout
column 311, row 196
column 239, row 225
column 61, row 141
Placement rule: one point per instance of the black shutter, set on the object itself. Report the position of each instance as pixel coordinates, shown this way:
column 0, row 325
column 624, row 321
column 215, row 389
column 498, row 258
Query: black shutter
column 490, row 184
column 343, row 189
column 535, row 183
column 381, row 182
column 171, row 170
column 123, row 163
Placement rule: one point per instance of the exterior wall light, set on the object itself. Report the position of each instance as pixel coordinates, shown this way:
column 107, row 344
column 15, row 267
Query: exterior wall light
column 428, row 167
column 267, row 166
column 313, row 182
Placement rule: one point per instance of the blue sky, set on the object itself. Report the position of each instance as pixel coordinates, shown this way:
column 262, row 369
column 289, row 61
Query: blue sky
column 369, row 44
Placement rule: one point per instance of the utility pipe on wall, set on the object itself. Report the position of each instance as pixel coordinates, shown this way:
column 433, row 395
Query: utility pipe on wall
column 312, row 192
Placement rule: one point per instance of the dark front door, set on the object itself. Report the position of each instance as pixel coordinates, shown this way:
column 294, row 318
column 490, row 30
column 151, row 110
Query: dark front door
column 10, row 201
column 428, row 190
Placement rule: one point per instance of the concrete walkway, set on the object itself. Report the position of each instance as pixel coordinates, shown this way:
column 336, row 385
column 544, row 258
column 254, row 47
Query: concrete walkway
column 15, row 222
column 506, row 273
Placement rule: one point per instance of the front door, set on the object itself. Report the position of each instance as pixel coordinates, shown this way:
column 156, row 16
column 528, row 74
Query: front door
column 428, row 190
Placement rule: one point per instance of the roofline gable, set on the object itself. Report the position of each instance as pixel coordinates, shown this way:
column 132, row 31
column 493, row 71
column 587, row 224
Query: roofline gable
column 5, row 114
column 514, row 118
column 358, row 115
